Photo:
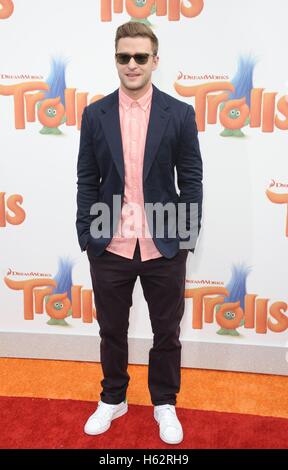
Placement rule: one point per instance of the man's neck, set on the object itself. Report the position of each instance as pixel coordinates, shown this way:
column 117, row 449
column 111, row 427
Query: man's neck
column 136, row 94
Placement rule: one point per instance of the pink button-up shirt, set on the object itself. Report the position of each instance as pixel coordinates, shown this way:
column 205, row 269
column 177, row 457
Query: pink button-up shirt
column 134, row 119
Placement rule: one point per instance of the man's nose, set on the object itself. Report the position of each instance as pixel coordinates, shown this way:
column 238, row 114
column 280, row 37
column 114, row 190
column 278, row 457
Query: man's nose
column 132, row 63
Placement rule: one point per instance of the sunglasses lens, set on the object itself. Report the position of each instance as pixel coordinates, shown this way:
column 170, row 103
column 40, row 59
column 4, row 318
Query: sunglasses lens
column 141, row 58
column 124, row 59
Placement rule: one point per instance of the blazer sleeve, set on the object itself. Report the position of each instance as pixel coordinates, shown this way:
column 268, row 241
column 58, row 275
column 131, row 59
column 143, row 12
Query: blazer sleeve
column 189, row 179
column 88, row 180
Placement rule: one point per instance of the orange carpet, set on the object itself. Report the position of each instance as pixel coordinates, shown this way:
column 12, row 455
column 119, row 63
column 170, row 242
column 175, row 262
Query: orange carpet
column 258, row 394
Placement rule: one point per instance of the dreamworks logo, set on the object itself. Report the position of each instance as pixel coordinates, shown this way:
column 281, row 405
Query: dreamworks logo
column 202, row 76
column 169, row 220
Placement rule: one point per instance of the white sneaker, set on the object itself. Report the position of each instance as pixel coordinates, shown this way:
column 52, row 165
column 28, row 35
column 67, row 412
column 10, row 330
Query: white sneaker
column 100, row 420
column 170, row 427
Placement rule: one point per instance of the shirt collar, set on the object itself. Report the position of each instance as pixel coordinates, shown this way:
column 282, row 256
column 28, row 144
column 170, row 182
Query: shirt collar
column 143, row 102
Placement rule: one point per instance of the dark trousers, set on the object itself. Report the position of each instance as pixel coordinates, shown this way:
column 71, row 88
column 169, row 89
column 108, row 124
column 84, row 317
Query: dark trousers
column 163, row 283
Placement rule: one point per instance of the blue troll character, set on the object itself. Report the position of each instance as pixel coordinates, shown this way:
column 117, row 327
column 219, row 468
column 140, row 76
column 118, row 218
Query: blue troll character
column 142, row 3
column 237, row 291
column 243, row 84
column 63, row 279
column 57, row 85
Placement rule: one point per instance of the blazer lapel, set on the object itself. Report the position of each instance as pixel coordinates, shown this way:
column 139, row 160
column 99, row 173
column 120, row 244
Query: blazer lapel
column 111, row 126
column 158, row 121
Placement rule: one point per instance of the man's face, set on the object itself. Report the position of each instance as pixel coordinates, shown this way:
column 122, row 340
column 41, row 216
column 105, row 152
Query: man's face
column 132, row 75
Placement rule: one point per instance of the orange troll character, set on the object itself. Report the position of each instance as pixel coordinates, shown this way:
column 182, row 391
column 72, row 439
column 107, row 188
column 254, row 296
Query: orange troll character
column 6, row 9
column 237, row 113
column 58, row 303
column 51, row 111
column 140, row 4
column 230, row 311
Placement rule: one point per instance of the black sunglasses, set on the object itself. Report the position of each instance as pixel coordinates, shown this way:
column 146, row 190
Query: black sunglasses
column 140, row 58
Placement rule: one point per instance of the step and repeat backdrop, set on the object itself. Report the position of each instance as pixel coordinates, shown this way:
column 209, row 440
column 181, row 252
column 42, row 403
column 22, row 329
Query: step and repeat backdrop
column 226, row 58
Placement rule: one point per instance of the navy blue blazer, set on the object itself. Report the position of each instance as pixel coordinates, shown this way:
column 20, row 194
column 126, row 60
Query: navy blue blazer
column 171, row 142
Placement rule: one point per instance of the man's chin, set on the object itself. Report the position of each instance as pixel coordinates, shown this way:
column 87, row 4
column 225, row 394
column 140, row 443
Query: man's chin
column 133, row 86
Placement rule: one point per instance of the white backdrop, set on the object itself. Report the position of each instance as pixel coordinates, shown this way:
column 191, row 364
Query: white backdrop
column 243, row 229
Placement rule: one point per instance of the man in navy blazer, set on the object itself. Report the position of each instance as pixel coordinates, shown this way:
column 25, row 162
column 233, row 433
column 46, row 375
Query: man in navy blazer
column 171, row 142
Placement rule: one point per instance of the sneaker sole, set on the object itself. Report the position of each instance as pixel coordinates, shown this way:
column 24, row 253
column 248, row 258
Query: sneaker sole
column 171, row 442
